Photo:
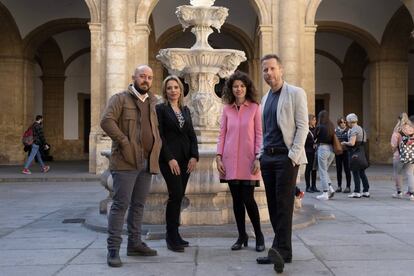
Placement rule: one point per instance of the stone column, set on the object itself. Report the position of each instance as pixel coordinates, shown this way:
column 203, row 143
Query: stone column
column 289, row 40
column 116, row 47
column 140, row 46
column 353, row 87
column 16, row 104
column 53, row 105
column 98, row 95
column 389, row 92
column 265, row 33
column 308, row 66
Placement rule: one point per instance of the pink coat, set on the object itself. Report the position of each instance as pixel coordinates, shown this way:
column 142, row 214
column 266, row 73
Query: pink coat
column 240, row 140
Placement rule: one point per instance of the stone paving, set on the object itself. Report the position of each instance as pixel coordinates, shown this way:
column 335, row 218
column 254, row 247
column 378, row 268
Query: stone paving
column 367, row 237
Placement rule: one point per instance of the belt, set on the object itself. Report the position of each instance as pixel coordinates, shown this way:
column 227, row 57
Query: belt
column 276, row 150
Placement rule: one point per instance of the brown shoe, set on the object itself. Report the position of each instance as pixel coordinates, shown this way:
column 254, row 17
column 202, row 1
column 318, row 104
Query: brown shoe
column 140, row 249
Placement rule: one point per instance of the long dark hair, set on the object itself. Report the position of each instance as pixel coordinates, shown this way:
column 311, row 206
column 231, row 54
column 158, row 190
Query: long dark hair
column 323, row 120
column 251, row 92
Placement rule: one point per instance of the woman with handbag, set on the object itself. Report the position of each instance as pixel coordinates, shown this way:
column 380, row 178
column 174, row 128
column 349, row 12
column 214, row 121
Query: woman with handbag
column 325, row 139
column 405, row 148
column 357, row 157
column 342, row 160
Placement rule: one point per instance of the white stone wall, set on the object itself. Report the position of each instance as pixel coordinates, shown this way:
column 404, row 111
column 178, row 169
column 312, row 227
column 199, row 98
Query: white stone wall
column 328, row 81
column 77, row 81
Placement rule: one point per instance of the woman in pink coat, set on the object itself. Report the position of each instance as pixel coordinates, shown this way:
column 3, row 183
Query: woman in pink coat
column 238, row 145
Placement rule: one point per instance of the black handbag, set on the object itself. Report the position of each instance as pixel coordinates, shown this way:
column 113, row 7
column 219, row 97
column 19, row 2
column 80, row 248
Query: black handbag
column 357, row 156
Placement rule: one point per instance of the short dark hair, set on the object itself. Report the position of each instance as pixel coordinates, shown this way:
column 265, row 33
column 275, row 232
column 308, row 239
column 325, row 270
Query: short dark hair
column 38, row 117
column 411, row 118
column 270, row 56
column 251, row 92
column 340, row 119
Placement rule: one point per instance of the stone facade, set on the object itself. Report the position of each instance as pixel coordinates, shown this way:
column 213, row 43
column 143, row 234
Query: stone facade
column 122, row 36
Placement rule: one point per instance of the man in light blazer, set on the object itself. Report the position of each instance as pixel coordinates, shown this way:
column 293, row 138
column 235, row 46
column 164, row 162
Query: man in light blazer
column 285, row 127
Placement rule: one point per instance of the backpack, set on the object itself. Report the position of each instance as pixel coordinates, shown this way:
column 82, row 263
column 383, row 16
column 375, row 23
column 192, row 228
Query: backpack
column 406, row 149
column 28, row 138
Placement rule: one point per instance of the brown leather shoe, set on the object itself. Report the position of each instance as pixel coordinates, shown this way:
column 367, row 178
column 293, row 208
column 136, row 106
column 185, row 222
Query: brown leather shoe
column 140, row 249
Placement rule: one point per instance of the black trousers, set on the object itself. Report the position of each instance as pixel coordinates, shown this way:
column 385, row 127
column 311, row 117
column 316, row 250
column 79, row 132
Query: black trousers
column 176, row 185
column 343, row 161
column 243, row 199
column 279, row 176
column 309, row 171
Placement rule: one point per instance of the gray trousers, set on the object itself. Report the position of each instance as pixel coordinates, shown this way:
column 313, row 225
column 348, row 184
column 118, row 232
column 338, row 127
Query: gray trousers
column 131, row 189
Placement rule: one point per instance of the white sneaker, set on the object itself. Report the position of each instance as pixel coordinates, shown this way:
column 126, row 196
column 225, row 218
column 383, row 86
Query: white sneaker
column 355, row 195
column 365, row 194
column 397, row 195
column 323, row 196
column 412, row 197
column 331, row 192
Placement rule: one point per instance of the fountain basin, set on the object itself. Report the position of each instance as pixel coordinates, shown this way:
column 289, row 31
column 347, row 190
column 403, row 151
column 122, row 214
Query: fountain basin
column 181, row 61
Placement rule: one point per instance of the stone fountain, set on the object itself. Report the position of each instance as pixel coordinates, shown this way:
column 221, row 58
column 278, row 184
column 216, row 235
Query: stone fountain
column 207, row 200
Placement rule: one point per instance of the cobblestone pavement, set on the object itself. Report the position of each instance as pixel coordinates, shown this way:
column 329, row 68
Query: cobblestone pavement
column 367, row 237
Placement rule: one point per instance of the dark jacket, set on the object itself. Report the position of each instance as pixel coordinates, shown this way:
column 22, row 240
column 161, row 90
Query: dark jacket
column 38, row 135
column 121, row 121
column 177, row 143
column 310, row 140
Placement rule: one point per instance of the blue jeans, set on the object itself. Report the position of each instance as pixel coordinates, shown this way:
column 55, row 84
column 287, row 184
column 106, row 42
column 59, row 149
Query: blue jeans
column 325, row 158
column 358, row 177
column 35, row 152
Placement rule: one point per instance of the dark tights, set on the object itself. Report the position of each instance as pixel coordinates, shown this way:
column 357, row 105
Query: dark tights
column 243, row 198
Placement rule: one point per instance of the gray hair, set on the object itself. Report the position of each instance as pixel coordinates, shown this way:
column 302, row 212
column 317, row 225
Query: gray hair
column 352, row 118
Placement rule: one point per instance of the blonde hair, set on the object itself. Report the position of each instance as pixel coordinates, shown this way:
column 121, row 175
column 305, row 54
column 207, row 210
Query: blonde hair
column 164, row 89
column 403, row 120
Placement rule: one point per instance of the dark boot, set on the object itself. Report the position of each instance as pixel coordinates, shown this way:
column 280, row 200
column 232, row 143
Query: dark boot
column 184, row 243
column 314, row 189
column 140, row 249
column 113, row 258
column 173, row 242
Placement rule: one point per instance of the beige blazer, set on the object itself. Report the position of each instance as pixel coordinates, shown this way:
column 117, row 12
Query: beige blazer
column 292, row 119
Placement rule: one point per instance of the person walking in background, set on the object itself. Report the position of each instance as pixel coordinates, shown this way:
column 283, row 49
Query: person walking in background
column 310, row 148
column 324, row 138
column 238, row 145
column 396, row 164
column 405, row 149
column 285, row 128
column 39, row 142
column 356, row 137
column 342, row 160
column 179, row 155
column 131, row 121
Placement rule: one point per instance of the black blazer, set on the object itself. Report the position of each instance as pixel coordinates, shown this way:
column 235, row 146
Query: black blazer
column 177, row 143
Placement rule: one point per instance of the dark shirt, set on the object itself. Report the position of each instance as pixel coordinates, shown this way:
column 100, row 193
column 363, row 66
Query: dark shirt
column 342, row 134
column 310, row 140
column 322, row 136
column 147, row 139
column 272, row 135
